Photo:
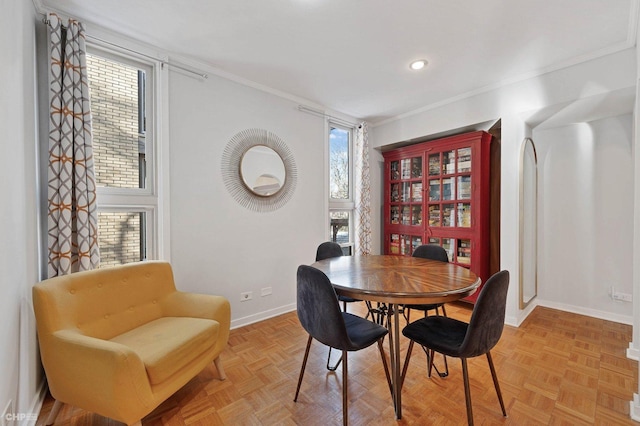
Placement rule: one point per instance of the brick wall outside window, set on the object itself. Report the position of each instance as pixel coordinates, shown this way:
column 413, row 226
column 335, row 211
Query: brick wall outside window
column 116, row 148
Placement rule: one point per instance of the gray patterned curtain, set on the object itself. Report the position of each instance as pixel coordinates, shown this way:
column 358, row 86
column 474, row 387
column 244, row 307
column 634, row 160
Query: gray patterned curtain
column 72, row 214
column 362, row 191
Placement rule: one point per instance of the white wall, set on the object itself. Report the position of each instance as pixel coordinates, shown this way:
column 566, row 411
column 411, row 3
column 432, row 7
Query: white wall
column 19, row 361
column 218, row 246
column 518, row 105
column 586, row 216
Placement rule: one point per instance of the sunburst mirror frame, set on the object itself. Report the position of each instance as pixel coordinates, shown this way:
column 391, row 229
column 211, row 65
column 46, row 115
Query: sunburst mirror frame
column 237, row 146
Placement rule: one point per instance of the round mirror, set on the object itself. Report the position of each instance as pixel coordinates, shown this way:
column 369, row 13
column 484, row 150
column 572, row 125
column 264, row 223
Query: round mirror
column 262, row 170
column 258, row 170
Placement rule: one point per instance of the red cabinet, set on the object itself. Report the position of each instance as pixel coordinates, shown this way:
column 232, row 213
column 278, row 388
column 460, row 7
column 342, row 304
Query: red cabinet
column 437, row 192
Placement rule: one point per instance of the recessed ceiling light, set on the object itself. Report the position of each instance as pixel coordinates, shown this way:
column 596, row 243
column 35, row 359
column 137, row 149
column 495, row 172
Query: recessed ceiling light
column 418, row 65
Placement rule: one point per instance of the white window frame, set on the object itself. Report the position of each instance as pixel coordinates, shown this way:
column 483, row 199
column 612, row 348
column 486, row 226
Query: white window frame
column 153, row 199
column 342, row 205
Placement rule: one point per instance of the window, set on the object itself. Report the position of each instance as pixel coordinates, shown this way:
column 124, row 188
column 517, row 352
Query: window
column 123, row 149
column 341, row 203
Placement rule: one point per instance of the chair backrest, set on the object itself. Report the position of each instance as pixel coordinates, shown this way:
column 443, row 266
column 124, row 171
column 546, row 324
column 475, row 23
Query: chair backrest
column 487, row 318
column 431, row 251
column 319, row 310
column 328, row 250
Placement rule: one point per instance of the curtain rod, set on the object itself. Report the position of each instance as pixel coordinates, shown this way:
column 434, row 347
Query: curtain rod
column 162, row 61
column 309, row 110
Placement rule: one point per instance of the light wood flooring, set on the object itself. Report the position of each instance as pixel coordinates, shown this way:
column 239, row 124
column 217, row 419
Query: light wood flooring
column 557, row 368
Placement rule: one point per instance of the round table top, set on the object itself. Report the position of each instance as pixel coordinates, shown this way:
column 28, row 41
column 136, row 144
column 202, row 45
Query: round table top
column 398, row 279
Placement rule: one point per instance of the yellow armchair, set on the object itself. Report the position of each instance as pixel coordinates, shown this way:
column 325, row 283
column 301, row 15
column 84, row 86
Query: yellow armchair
column 119, row 341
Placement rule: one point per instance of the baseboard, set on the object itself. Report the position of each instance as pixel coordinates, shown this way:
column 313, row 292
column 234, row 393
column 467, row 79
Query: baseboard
column 607, row 316
column 517, row 320
column 633, row 352
column 634, row 408
column 37, row 402
column 261, row 316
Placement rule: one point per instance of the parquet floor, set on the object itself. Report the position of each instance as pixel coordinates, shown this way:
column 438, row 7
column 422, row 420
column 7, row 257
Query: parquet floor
column 558, row 368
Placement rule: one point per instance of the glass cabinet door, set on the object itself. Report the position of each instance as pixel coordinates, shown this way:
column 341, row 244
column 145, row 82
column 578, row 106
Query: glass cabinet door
column 464, row 187
column 450, row 188
column 394, row 170
column 464, row 160
column 448, row 162
column 405, row 196
column 434, row 190
column 434, row 164
column 463, row 255
column 464, row 215
column 416, row 192
column 416, row 168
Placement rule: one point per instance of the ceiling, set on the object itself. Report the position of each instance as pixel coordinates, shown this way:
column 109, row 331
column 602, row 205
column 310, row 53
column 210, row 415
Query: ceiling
column 352, row 56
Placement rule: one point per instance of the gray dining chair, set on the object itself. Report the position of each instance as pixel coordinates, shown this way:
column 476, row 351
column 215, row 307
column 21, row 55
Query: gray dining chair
column 433, row 252
column 462, row 340
column 320, row 315
column 328, row 250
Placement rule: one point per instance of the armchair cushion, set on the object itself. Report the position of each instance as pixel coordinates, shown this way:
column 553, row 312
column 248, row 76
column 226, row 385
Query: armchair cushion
column 167, row 345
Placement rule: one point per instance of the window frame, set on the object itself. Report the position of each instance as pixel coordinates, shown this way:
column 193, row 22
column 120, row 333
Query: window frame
column 338, row 204
column 153, row 198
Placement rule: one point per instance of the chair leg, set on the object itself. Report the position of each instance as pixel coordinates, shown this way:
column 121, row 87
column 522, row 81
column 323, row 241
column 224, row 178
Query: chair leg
column 218, row 363
column 385, row 365
column 467, row 391
column 405, row 367
column 304, row 364
column 345, row 399
column 495, row 383
column 369, row 310
column 407, row 314
column 329, row 366
column 430, row 356
column 431, row 366
column 57, row 405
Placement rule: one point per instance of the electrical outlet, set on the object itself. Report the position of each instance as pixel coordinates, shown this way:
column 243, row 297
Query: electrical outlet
column 623, row 297
column 265, row 291
column 246, row 296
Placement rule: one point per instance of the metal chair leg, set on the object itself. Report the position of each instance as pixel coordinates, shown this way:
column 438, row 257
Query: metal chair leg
column 386, row 366
column 495, row 383
column 405, row 367
column 345, row 412
column 467, row 391
column 304, row 364
column 431, row 366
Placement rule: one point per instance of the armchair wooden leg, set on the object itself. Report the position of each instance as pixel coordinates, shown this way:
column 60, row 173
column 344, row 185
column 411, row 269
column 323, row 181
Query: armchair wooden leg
column 57, row 405
column 218, row 364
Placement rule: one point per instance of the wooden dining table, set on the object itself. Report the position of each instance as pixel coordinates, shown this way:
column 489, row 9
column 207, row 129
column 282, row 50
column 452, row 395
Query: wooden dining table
column 396, row 281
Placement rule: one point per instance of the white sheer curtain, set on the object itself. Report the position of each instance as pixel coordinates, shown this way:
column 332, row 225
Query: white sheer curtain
column 362, row 191
column 72, row 215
